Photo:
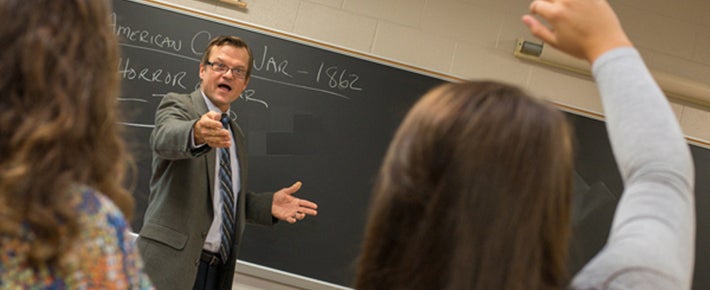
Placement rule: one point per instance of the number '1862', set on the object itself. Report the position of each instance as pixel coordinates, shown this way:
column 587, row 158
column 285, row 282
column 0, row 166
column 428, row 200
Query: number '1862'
column 337, row 78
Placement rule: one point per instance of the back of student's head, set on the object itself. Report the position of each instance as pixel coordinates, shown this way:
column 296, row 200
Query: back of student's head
column 58, row 116
column 474, row 193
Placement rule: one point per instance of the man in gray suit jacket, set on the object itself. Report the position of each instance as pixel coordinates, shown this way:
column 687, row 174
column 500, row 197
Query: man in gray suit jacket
column 182, row 235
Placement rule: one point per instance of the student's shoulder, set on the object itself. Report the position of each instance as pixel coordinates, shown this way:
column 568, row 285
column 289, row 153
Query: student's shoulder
column 98, row 211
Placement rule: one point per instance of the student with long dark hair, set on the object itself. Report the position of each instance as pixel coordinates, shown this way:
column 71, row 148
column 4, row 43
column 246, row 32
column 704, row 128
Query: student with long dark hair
column 475, row 189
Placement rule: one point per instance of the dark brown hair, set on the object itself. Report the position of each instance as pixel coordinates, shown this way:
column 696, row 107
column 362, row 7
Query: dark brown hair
column 474, row 193
column 58, row 120
column 229, row 40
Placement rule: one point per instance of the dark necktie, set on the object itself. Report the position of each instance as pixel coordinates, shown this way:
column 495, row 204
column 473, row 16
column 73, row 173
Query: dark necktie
column 226, row 191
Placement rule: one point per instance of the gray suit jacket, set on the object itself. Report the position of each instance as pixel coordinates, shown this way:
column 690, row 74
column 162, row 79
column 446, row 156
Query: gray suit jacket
column 179, row 211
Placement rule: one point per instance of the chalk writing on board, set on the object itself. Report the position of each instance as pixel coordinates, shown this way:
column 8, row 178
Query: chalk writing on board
column 337, row 78
column 269, row 66
column 334, row 77
column 330, row 75
column 129, row 72
column 144, row 36
column 248, row 94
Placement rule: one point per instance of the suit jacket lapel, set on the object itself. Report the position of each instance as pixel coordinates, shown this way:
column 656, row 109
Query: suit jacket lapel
column 201, row 109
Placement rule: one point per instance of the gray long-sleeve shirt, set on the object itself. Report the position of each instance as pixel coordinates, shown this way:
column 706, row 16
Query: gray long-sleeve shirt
column 652, row 240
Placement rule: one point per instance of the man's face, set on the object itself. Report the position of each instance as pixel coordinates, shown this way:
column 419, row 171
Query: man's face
column 224, row 88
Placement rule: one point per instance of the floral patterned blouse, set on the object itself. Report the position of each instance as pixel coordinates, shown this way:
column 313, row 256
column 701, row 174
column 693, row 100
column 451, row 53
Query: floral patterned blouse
column 105, row 252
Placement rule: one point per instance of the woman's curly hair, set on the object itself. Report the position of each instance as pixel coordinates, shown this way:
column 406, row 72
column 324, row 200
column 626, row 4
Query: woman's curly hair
column 58, row 120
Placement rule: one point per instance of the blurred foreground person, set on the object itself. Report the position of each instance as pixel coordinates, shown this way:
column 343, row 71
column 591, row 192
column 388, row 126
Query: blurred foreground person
column 475, row 190
column 63, row 208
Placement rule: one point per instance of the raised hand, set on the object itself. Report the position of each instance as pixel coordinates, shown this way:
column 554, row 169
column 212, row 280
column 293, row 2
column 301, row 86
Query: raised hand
column 290, row 208
column 208, row 129
column 583, row 28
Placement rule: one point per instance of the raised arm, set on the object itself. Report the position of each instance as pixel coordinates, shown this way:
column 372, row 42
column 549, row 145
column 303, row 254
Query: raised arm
column 651, row 244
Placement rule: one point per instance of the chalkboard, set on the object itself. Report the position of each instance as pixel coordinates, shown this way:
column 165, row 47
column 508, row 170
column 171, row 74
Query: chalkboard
column 325, row 116
column 309, row 114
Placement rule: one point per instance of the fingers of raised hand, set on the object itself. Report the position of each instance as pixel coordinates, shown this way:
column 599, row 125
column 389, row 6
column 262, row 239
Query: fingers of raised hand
column 294, row 187
column 307, row 211
column 543, row 8
column 213, row 133
column 296, row 217
column 307, row 204
column 218, row 138
column 299, row 216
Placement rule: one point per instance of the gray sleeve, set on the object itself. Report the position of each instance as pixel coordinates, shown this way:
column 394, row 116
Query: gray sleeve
column 172, row 135
column 651, row 243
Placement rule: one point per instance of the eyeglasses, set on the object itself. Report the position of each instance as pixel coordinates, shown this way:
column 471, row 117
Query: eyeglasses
column 221, row 68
